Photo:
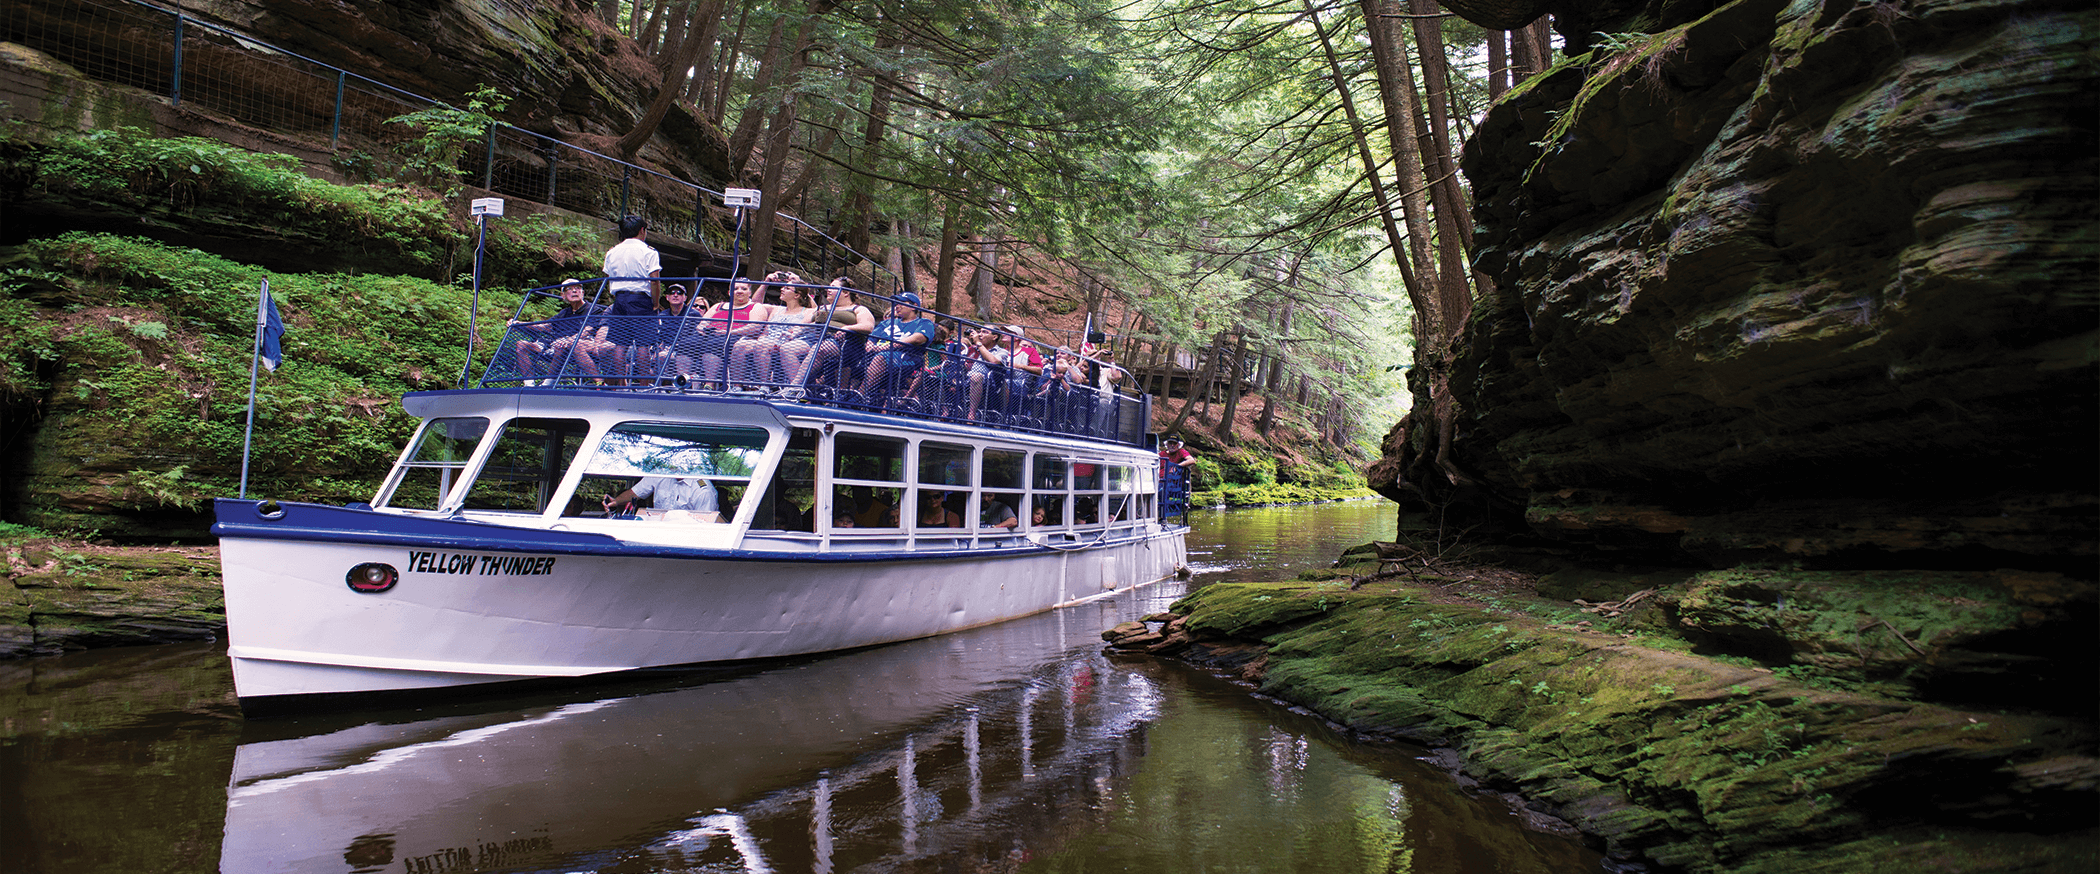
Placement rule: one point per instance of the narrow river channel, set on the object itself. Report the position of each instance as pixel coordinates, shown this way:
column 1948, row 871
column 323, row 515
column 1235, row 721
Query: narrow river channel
column 1015, row 748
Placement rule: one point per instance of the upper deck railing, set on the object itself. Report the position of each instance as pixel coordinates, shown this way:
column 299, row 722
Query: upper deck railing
column 827, row 348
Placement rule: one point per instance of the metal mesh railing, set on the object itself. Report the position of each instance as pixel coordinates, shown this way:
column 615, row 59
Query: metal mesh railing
column 957, row 370
column 213, row 70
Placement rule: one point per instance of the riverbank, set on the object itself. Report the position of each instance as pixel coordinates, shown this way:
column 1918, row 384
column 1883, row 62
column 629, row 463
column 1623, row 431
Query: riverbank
column 66, row 594
column 1746, row 720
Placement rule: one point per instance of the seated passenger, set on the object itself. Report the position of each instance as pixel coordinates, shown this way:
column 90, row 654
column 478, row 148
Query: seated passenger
column 725, row 325
column 791, row 334
column 933, row 514
column 897, row 346
column 996, row 514
column 846, row 335
column 689, row 494
column 567, row 337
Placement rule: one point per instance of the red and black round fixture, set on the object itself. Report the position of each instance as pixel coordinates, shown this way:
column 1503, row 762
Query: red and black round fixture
column 372, row 578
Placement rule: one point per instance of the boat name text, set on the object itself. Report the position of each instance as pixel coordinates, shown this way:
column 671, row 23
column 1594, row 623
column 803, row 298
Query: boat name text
column 481, row 565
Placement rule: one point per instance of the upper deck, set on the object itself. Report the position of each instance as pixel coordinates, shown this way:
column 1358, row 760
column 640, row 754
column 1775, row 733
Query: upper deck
column 819, row 346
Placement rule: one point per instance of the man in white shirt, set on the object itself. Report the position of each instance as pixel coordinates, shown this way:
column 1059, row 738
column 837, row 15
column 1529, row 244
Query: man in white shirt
column 691, row 494
column 634, row 266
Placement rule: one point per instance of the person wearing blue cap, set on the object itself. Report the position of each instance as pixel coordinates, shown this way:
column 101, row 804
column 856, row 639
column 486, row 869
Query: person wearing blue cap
column 898, row 344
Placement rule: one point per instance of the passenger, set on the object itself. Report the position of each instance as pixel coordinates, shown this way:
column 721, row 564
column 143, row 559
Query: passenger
column 632, row 267
column 846, row 335
column 672, row 493
column 567, row 336
column 1037, row 515
column 792, row 332
column 1107, row 385
column 937, row 379
column 723, row 326
column 655, row 355
column 996, row 514
column 934, row 514
column 753, row 358
column 1024, row 363
column 871, row 510
column 897, row 346
column 842, row 519
column 988, row 366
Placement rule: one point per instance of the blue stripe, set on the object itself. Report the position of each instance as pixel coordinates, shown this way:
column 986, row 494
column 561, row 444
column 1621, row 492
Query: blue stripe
column 320, row 523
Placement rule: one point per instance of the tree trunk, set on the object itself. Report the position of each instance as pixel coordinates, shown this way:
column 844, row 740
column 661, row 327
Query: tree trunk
column 944, row 268
column 659, row 106
column 985, row 281
column 1454, row 227
column 780, row 136
column 1498, row 64
column 1358, row 131
column 1232, row 391
column 1209, row 370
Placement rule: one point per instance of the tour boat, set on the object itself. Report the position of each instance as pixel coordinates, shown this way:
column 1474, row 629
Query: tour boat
column 848, row 505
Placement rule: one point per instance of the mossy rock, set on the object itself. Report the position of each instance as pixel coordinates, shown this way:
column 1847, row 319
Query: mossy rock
column 1688, row 761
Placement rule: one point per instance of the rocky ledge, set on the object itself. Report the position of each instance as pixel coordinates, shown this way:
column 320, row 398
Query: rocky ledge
column 1720, row 721
column 66, row 595
column 1788, row 281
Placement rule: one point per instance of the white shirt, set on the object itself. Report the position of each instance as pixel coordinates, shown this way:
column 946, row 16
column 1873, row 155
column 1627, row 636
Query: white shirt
column 632, row 258
column 678, row 493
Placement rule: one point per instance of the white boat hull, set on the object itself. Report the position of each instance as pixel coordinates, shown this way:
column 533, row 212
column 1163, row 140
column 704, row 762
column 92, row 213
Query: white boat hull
column 466, row 617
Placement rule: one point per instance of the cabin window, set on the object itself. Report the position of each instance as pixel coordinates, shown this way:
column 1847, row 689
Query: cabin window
column 528, row 462
column 867, row 481
column 1087, row 476
column 1005, row 480
column 944, row 485
column 434, row 467
column 790, row 503
column 1052, row 478
column 675, row 459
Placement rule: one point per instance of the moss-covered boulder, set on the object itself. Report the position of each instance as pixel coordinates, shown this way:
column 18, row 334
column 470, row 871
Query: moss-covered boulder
column 1698, row 763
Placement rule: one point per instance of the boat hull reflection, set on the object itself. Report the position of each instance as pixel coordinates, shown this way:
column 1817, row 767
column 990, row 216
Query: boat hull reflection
column 683, row 771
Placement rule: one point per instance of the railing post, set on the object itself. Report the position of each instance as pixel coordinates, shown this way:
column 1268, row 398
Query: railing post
column 553, row 160
column 175, row 83
column 626, row 182
column 699, row 212
column 335, row 128
column 488, row 161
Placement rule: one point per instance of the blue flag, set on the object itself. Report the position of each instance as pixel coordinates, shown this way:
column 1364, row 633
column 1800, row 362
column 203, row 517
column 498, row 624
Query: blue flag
column 271, row 328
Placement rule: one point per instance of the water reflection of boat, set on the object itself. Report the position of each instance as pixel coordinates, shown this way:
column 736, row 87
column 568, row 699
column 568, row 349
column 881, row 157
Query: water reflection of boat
column 739, row 770
column 832, row 510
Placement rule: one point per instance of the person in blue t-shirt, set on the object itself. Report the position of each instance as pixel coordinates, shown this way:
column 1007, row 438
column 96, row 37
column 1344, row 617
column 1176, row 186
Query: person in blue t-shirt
column 898, row 344
column 569, row 340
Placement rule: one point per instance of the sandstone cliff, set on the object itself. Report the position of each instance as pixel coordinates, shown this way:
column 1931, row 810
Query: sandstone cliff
column 1800, row 281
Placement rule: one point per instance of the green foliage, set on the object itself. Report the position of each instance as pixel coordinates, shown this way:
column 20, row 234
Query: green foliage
column 327, row 423
column 432, row 157
column 123, row 168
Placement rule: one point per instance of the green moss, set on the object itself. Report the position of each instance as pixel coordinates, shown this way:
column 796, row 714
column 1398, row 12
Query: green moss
column 1693, row 762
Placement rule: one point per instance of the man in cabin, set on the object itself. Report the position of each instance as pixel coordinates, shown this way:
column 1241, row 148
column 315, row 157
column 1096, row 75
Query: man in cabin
column 689, row 493
column 996, row 514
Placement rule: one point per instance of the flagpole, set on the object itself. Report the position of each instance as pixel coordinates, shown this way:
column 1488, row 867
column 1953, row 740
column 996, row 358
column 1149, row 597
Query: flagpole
column 262, row 320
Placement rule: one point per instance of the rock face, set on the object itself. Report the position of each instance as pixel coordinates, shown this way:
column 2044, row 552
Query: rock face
column 565, row 73
column 1811, row 281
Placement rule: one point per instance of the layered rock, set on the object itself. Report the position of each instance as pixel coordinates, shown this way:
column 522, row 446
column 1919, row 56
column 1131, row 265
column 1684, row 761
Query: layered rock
column 1813, row 281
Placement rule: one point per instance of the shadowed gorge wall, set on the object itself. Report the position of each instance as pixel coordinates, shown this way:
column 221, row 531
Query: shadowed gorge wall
column 1812, row 281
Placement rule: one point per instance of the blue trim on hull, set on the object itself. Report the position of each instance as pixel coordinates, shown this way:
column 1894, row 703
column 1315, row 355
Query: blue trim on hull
column 327, row 524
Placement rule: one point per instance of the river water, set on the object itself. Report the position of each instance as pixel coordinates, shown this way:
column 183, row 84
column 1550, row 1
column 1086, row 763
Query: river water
column 1015, row 748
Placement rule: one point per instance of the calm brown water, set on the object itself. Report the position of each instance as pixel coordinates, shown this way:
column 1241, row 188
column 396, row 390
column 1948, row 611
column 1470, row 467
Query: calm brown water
column 1016, row 748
